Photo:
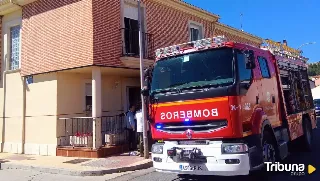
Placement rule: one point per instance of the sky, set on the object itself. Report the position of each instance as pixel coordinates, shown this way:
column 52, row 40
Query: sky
column 297, row 21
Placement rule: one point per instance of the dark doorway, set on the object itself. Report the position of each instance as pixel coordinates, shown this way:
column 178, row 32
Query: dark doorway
column 134, row 98
column 134, row 95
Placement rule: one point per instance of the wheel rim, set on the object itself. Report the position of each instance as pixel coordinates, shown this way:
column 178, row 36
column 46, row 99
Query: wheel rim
column 268, row 152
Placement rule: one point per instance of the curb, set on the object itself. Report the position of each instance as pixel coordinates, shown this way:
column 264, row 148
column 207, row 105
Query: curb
column 62, row 171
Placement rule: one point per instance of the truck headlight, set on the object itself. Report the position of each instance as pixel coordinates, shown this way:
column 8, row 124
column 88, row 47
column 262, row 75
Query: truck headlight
column 157, row 149
column 229, row 148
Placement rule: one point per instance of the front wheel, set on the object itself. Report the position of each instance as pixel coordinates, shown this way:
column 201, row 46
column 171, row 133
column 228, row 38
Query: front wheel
column 270, row 154
column 307, row 137
column 269, row 148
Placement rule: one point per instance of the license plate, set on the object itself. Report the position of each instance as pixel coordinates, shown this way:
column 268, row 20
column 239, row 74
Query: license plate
column 186, row 152
column 190, row 167
column 197, row 142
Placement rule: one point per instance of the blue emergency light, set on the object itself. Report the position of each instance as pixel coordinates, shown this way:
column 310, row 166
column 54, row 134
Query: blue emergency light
column 158, row 126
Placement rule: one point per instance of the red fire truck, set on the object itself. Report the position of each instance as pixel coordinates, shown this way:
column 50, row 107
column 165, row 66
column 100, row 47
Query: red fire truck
column 225, row 108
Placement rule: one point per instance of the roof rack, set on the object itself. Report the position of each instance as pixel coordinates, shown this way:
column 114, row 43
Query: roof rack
column 287, row 54
column 217, row 41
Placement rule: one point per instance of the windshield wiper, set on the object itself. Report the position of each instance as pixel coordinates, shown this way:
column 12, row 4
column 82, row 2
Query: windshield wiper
column 207, row 85
column 179, row 84
column 167, row 90
column 171, row 89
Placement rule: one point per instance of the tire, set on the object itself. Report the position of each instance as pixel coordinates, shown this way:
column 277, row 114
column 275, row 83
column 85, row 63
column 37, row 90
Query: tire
column 269, row 148
column 307, row 137
column 267, row 143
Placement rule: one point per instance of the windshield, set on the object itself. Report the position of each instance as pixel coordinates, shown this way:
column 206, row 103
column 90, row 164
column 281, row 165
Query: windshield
column 317, row 102
column 206, row 68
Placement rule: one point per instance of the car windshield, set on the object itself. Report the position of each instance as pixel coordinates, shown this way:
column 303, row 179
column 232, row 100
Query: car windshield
column 317, row 102
column 206, row 68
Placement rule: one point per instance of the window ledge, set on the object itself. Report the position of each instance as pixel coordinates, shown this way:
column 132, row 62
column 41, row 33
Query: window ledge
column 13, row 71
column 134, row 3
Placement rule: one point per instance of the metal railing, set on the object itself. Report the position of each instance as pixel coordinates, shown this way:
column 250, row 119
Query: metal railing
column 113, row 130
column 130, row 44
column 75, row 131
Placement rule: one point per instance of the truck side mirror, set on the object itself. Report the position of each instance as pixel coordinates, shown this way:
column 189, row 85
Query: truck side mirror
column 145, row 91
column 250, row 60
column 245, row 84
column 147, row 77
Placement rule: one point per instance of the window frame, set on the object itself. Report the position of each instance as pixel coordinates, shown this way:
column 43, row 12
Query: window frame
column 6, row 43
column 267, row 64
column 198, row 26
column 86, row 82
column 10, row 47
column 236, row 52
column 127, row 5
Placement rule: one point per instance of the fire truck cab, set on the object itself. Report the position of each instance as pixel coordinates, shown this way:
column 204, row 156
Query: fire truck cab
column 218, row 107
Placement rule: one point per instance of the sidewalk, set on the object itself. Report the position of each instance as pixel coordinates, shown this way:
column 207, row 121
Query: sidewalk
column 74, row 166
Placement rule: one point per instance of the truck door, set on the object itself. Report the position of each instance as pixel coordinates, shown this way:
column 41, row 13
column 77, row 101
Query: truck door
column 268, row 89
column 248, row 96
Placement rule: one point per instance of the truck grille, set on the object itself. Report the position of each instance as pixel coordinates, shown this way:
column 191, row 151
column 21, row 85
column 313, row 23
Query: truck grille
column 196, row 126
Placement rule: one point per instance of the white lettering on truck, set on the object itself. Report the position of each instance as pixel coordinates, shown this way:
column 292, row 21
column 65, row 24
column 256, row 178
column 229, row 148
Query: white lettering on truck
column 189, row 114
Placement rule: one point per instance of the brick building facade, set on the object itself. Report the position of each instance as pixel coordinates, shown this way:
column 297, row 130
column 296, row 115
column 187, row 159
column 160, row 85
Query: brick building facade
column 74, row 33
column 79, row 58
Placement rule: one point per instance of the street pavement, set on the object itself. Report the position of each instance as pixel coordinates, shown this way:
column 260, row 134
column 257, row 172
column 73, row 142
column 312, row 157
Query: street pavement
column 29, row 175
column 297, row 157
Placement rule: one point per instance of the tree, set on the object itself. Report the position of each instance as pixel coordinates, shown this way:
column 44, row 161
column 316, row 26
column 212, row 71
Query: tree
column 314, row 69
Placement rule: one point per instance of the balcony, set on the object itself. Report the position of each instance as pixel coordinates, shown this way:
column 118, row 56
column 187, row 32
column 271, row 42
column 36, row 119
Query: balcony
column 130, row 47
column 8, row 6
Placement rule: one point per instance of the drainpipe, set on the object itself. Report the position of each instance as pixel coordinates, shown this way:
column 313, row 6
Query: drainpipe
column 24, row 102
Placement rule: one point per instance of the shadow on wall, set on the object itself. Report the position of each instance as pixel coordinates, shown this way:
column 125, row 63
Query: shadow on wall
column 29, row 80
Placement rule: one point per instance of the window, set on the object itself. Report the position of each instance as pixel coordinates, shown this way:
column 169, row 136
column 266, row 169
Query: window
column 264, row 67
column 195, row 31
column 14, row 48
column 244, row 74
column 131, row 36
column 88, row 97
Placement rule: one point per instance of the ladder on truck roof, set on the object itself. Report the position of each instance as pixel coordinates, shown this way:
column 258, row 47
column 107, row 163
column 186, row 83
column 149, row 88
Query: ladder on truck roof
column 206, row 43
column 212, row 42
column 286, row 57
